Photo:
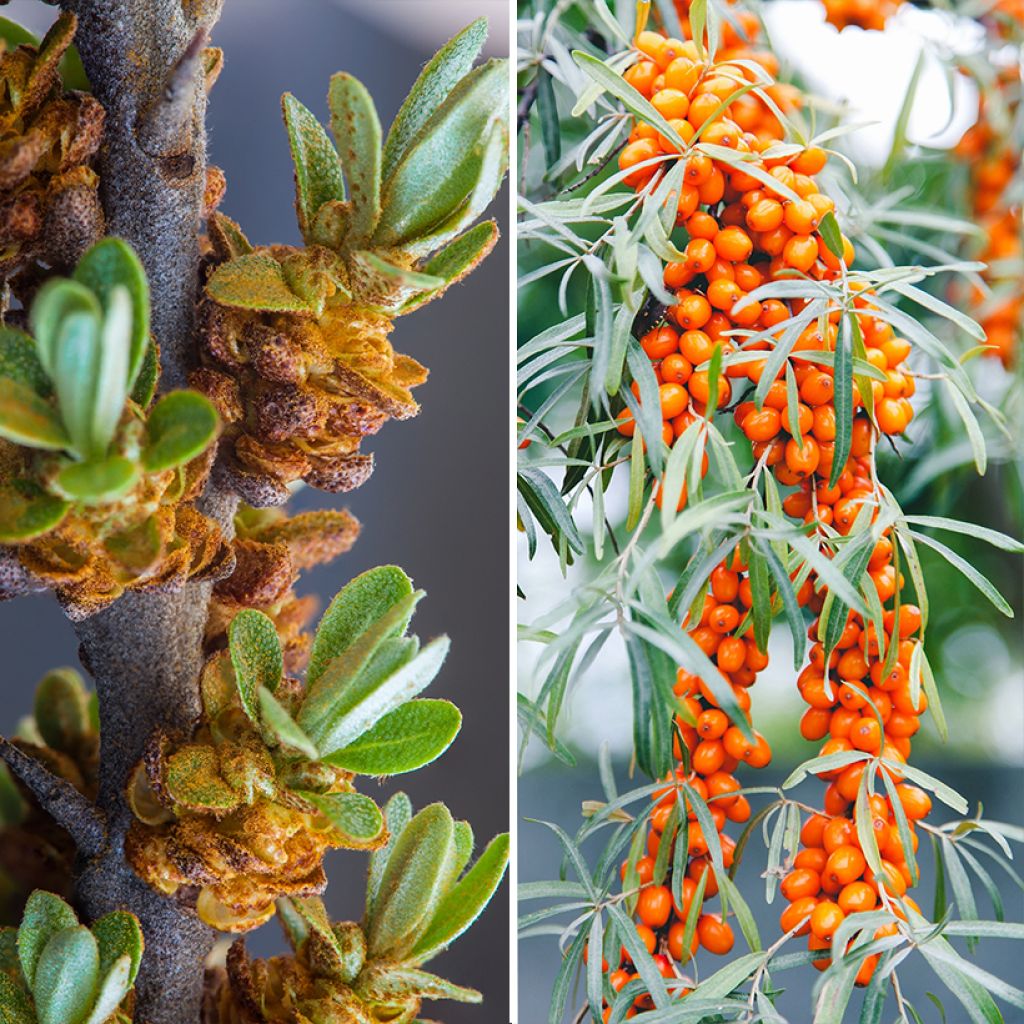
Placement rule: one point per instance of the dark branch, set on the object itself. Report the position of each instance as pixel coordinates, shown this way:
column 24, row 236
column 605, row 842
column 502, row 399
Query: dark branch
column 77, row 815
column 164, row 126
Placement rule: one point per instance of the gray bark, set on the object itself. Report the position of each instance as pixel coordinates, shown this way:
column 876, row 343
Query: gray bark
column 144, row 651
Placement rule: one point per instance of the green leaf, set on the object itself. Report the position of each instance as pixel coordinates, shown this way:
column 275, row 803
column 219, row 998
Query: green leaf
column 29, row 420
column 19, row 360
column 405, row 739
column 110, row 265
column 61, row 708
column 407, row 887
column 78, row 357
column 363, row 703
column 45, row 915
column 829, row 231
column 27, row 511
column 16, row 35
column 149, row 373
column 230, row 236
column 98, row 481
column 464, row 903
column 58, row 299
column 397, row 275
column 193, row 779
column 442, row 164
column 352, row 813
column 255, row 281
column 993, row 537
column 354, row 609
column 981, row 582
column 435, row 82
column 180, row 427
column 114, row 987
column 118, row 935
column 318, row 177
column 275, row 718
column 397, row 814
column 256, row 656
column 356, row 130
column 15, row 1007
column 66, row 977
column 390, row 981
column 112, row 380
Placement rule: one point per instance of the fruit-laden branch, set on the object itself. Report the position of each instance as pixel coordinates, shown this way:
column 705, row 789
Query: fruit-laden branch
column 66, row 805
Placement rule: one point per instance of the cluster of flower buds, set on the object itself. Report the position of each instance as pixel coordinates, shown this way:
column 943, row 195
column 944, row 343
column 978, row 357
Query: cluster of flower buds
column 96, row 479
column 295, row 340
column 245, row 807
column 49, row 208
column 342, row 972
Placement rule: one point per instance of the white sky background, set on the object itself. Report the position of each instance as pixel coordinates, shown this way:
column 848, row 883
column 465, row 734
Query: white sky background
column 871, row 71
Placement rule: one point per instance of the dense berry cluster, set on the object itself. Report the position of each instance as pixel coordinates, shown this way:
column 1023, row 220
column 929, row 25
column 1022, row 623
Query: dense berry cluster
column 867, row 14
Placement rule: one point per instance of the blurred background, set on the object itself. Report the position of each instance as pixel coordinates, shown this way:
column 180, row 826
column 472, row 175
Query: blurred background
column 437, row 502
column 977, row 654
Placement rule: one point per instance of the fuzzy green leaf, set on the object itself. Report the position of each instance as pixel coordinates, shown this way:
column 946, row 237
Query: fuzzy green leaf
column 354, row 814
column 144, row 387
column 397, row 275
column 110, row 265
column 58, row 299
column 442, row 165
column 27, row 511
column 97, row 481
column 76, row 376
column 119, row 935
column 15, row 1007
column 318, row 177
column 45, row 915
column 62, row 709
column 66, row 977
column 112, row 373
column 255, row 281
column 435, row 82
column 283, row 726
column 180, row 427
column 229, row 235
column 256, row 656
column 382, row 688
column 29, row 420
column 409, row 882
column 387, row 981
column 465, row 902
column 405, row 739
column 113, row 988
column 464, row 254
column 354, row 609
column 194, row 780
column 397, row 814
column 356, row 130
column 19, row 360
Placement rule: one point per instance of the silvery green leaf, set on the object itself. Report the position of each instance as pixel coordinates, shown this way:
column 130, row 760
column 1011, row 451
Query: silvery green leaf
column 353, row 814
column 45, row 915
column 66, row 977
column 114, row 987
column 436, row 81
column 256, row 656
column 318, row 177
column 77, row 356
column 356, row 130
column 57, row 299
column 275, row 718
column 112, row 384
column 397, row 814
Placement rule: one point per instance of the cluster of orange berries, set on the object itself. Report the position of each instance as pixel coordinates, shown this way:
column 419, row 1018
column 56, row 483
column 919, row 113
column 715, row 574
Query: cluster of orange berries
column 866, row 14
column 709, row 747
column 995, row 166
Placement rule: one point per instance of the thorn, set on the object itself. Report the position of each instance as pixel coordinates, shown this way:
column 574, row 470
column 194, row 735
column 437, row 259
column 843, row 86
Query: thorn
column 68, row 808
column 164, row 126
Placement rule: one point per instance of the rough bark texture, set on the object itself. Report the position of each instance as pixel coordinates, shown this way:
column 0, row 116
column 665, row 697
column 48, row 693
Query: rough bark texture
column 144, row 652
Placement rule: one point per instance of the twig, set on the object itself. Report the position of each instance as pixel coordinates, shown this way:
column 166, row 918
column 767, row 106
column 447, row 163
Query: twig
column 527, row 98
column 66, row 805
column 163, row 127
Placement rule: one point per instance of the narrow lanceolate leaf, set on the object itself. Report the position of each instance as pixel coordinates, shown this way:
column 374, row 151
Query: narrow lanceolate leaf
column 408, row 886
column 318, row 177
column 67, row 977
column 397, row 814
column 45, row 915
column 353, row 814
column 356, row 130
column 75, row 378
column 399, row 276
column 456, row 260
column 465, row 902
column 442, row 73
column 363, row 705
column 255, row 655
column 403, row 740
column 354, row 609
column 385, row 982
column 180, row 427
column 112, row 372
column 277, row 720
column 111, row 264
column 442, row 164
column 29, row 420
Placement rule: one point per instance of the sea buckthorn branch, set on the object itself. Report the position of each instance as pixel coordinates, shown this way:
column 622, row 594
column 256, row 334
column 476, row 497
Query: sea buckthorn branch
column 850, row 320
